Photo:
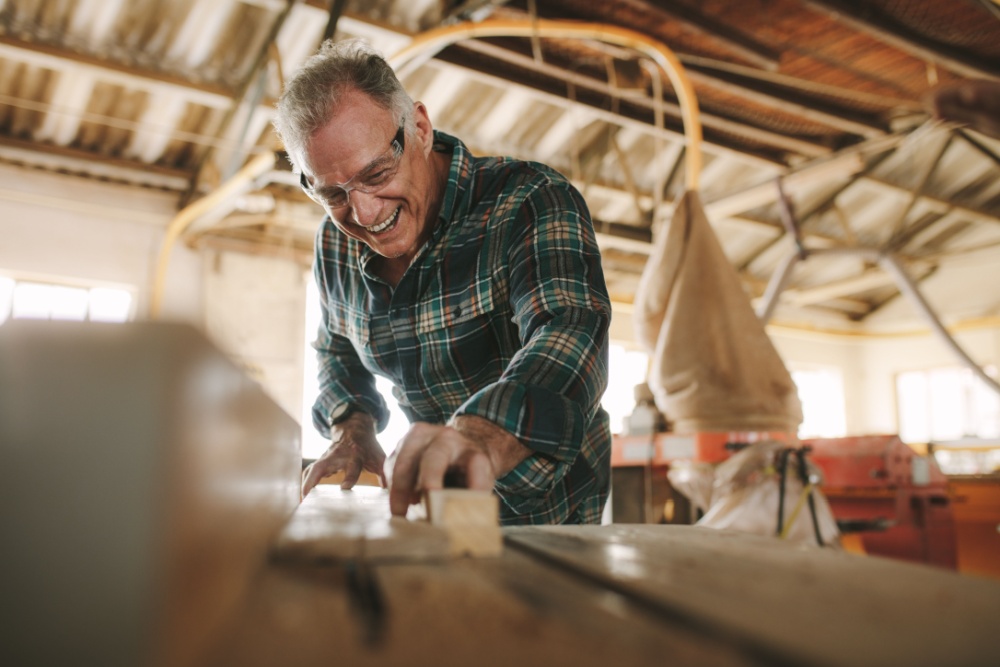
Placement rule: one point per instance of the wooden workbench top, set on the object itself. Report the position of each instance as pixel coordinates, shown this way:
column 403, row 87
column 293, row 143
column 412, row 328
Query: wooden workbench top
column 344, row 589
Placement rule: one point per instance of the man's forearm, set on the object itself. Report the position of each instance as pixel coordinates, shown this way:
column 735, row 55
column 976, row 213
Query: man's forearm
column 504, row 450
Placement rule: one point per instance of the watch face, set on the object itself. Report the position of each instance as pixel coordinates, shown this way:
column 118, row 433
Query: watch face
column 340, row 413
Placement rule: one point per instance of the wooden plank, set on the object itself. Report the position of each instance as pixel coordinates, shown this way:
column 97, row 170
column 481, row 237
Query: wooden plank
column 811, row 606
column 336, row 525
column 511, row 610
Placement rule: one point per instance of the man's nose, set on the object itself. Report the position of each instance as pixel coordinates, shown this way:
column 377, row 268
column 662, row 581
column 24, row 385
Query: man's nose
column 364, row 207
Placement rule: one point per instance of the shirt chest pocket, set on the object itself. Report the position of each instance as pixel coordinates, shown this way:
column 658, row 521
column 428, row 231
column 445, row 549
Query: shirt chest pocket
column 359, row 329
column 455, row 311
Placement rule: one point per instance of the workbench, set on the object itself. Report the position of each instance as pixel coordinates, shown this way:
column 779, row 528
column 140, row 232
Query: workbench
column 151, row 518
column 347, row 585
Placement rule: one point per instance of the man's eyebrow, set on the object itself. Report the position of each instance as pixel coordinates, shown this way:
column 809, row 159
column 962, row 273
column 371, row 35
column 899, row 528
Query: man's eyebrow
column 365, row 171
column 373, row 165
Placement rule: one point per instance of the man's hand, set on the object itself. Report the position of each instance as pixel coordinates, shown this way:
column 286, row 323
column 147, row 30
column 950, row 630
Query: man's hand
column 353, row 448
column 477, row 450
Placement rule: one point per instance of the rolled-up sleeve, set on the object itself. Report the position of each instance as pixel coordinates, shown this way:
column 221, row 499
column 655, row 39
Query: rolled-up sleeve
column 550, row 392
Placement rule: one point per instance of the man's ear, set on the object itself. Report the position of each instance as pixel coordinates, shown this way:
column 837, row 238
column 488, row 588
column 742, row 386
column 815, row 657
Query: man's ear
column 423, row 128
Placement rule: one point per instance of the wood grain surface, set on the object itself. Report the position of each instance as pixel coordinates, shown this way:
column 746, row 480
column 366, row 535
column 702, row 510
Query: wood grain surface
column 793, row 604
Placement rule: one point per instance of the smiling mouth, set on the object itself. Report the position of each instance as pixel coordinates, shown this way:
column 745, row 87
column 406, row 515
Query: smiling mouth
column 389, row 223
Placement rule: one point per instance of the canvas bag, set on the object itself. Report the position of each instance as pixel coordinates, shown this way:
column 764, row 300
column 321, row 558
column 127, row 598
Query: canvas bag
column 713, row 366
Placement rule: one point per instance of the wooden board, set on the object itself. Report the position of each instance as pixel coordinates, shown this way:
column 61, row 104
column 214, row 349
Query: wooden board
column 797, row 605
column 336, row 525
column 510, row 610
column 144, row 476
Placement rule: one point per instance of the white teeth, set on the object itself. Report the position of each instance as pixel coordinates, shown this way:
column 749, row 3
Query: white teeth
column 385, row 225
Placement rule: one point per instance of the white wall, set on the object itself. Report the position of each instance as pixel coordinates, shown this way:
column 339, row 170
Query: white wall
column 65, row 228
column 255, row 310
column 869, row 366
column 69, row 229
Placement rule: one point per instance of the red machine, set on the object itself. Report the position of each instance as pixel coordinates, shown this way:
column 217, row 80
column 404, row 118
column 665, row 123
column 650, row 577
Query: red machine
column 887, row 499
column 896, row 501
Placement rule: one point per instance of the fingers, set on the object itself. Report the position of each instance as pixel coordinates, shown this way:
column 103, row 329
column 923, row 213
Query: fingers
column 311, row 477
column 349, row 455
column 479, row 472
column 434, row 463
column 405, row 467
column 352, row 470
column 426, row 455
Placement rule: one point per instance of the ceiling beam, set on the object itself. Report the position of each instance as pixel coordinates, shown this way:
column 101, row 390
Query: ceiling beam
column 670, row 133
column 841, row 166
column 708, row 120
column 737, row 43
column 937, row 203
column 246, row 100
column 834, row 290
column 60, row 59
column 74, row 160
column 773, row 97
column 866, row 18
column 724, row 37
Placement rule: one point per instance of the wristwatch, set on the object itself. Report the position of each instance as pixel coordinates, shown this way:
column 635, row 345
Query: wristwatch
column 341, row 412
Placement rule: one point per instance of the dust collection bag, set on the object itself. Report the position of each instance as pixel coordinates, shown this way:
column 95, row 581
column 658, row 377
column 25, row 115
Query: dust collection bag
column 713, row 366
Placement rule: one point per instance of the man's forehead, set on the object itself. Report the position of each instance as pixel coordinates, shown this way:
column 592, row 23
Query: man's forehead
column 356, row 135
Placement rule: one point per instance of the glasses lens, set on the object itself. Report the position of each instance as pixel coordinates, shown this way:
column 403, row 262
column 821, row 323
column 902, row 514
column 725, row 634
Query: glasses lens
column 338, row 195
column 337, row 198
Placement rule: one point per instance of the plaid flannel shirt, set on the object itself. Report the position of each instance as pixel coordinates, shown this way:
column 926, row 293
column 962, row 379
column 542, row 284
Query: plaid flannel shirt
column 503, row 314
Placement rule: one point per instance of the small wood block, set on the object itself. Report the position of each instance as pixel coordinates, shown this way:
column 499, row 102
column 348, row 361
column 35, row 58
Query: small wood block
column 470, row 518
column 336, row 525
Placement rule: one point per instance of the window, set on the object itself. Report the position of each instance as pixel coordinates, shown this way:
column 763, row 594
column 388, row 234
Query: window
column 946, row 404
column 821, row 392
column 23, row 299
column 626, row 369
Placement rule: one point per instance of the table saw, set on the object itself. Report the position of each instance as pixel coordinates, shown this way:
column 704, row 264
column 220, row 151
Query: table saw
column 151, row 517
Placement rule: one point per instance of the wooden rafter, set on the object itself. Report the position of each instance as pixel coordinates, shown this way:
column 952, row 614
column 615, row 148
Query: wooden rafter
column 590, row 84
column 737, row 43
column 789, row 102
column 866, row 19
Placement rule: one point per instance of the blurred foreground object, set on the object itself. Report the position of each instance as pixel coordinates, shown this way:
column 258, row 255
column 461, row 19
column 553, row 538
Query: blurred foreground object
column 143, row 476
column 975, row 103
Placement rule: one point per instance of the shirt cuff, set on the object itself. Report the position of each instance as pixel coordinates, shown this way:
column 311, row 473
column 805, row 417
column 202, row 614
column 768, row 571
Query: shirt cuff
column 530, row 483
column 545, row 421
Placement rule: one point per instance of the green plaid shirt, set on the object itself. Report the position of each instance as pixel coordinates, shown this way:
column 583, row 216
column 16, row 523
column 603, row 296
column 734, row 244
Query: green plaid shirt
column 503, row 314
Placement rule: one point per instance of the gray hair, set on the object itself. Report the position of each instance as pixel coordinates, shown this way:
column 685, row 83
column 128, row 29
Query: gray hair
column 311, row 96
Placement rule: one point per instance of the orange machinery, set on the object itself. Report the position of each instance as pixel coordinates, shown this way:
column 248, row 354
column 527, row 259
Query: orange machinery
column 887, row 499
column 894, row 500
column 973, row 469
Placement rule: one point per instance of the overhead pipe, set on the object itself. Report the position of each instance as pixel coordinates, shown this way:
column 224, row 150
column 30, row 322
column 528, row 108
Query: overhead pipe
column 425, row 45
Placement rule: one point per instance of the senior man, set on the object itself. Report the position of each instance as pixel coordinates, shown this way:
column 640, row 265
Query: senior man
column 473, row 284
